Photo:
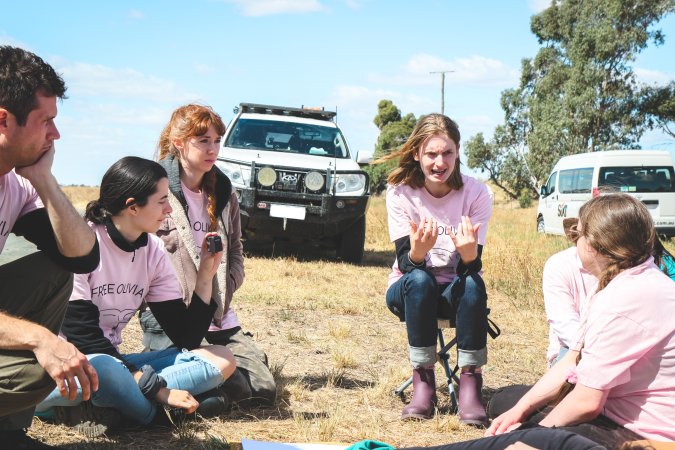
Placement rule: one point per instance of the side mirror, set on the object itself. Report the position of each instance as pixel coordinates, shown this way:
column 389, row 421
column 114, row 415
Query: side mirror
column 543, row 191
column 364, row 158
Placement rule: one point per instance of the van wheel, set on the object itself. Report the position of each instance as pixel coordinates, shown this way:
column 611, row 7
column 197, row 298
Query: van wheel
column 540, row 225
column 350, row 248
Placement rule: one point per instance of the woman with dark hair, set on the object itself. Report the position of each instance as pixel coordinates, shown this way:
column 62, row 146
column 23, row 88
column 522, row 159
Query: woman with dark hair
column 438, row 223
column 203, row 202
column 134, row 268
column 619, row 375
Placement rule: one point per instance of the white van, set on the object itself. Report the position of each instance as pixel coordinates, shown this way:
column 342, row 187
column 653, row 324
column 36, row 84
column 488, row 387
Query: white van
column 645, row 174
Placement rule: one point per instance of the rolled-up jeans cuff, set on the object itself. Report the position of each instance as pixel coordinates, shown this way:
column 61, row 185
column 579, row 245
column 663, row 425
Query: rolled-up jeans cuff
column 476, row 358
column 422, row 356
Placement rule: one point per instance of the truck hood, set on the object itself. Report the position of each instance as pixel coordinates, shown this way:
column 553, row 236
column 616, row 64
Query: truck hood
column 283, row 159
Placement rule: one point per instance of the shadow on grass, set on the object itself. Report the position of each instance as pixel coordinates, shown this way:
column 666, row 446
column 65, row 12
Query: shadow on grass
column 281, row 249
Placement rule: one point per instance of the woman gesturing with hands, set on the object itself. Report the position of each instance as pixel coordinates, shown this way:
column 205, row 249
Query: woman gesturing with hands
column 437, row 221
column 422, row 239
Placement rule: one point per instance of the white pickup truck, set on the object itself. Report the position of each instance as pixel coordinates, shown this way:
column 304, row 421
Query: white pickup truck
column 295, row 178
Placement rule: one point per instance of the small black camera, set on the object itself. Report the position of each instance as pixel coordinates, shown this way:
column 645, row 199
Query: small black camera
column 214, row 244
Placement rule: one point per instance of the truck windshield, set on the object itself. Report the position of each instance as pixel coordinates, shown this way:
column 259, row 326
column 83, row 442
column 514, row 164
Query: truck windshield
column 287, row 137
column 636, row 179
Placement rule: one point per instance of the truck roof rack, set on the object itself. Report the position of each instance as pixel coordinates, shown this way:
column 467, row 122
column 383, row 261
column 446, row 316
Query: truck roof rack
column 311, row 113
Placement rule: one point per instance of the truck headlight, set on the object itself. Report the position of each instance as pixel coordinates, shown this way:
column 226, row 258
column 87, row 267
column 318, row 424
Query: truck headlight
column 267, row 176
column 350, row 183
column 314, row 181
column 239, row 175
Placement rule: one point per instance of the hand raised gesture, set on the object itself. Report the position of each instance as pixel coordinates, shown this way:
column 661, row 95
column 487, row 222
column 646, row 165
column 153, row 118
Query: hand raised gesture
column 466, row 240
column 422, row 238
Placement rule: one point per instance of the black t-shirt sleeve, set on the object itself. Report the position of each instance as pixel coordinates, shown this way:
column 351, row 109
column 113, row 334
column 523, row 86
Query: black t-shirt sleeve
column 405, row 265
column 36, row 227
column 186, row 326
column 81, row 326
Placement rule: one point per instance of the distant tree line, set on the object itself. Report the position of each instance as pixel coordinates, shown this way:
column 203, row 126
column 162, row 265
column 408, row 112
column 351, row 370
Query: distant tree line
column 578, row 94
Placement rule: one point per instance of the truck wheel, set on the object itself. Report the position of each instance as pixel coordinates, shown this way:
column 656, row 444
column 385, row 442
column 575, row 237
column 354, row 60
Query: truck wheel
column 350, row 248
column 540, row 225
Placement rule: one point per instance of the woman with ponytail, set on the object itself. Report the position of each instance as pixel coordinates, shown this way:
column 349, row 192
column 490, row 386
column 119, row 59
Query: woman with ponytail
column 622, row 369
column 203, row 202
column 620, row 374
column 134, row 268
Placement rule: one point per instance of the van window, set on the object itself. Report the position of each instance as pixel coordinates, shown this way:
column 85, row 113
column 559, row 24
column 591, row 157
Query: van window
column 550, row 184
column 576, row 181
column 636, row 179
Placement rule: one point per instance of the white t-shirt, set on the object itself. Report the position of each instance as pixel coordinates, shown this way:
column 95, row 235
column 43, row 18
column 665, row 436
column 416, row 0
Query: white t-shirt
column 17, row 198
column 567, row 288
column 629, row 350
column 123, row 280
column 405, row 204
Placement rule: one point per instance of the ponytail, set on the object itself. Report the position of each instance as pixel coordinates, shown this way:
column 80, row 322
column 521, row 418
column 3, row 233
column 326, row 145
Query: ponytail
column 95, row 213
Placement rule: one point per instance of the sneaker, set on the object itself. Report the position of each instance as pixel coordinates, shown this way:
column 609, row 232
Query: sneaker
column 212, row 403
column 87, row 419
column 19, row 440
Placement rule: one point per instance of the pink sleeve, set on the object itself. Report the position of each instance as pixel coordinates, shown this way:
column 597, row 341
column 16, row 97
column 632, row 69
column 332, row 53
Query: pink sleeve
column 481, row 210
column 397, row 216
column 81, row 287
column 612, row 345
column 164, row 282
column 561, row 308
column 32, row 201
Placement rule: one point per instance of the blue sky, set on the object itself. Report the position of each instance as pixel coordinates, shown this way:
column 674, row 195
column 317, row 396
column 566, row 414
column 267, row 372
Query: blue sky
column 128, row 64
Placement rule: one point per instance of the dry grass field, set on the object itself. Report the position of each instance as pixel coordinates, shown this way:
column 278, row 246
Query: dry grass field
column 338, row 353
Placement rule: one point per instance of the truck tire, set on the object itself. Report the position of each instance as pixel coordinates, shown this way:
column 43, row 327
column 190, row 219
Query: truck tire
column 350, row 248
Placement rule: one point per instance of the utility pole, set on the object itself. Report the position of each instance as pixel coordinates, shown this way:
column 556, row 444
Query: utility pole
column 442, row 72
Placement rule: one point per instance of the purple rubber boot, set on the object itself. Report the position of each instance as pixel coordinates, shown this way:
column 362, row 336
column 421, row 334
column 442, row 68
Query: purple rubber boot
column 423, row 402
column 470, row 404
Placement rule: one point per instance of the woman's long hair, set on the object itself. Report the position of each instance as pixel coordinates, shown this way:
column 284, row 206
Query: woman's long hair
column 130, row 177
column 620, row 228
column 186, row 122
column 409, row 171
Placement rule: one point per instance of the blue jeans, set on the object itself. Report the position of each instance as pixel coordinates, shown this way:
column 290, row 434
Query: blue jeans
column 117, row 388
column 418, row 300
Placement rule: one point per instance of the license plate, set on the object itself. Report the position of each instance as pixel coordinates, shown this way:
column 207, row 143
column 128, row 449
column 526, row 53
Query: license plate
column 288, row 211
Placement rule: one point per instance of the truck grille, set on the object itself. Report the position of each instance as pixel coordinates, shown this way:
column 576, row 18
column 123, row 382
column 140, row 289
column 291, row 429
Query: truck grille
column 289, row 181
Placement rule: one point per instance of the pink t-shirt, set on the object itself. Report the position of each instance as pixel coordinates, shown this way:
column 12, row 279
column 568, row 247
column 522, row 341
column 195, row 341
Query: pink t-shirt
column 405, row 204
column 17, row 198
column 198, row 216
column 629, row 350
column 123, row 280
column 567, row 288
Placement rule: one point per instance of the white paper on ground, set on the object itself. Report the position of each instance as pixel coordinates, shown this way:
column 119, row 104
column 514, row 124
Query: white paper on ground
column 249, row 444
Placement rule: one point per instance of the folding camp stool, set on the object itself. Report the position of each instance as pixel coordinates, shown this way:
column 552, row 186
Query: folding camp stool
column 443, row 356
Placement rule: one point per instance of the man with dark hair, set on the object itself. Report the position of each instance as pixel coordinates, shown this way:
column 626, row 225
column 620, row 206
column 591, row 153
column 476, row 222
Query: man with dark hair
column 34, row 290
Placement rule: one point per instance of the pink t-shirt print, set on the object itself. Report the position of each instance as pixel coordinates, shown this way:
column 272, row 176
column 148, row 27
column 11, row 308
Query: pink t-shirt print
column 405, row 204
column 197, row 214
column 17, row 198
column 123, row 280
